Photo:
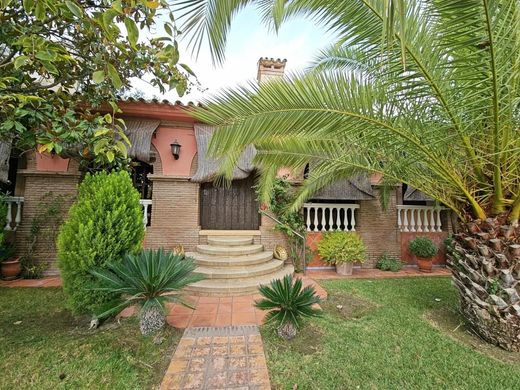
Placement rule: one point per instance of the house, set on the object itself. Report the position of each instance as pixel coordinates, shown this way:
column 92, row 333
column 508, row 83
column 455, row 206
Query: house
column 222, row 226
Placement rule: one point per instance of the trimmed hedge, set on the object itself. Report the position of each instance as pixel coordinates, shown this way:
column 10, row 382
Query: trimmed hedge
column 103, row 225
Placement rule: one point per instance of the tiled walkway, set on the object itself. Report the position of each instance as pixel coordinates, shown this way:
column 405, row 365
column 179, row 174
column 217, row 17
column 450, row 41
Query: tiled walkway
column 218, row 358
column 371, row 273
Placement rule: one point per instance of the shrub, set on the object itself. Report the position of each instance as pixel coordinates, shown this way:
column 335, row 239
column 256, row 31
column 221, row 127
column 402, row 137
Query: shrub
column 144, row 279
column 103, row 225
column 386, row 262
column 342, row 247
column 422, row 247
column 288, row 303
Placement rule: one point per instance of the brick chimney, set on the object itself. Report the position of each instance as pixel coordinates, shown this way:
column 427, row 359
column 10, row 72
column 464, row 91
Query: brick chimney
column 269, row 68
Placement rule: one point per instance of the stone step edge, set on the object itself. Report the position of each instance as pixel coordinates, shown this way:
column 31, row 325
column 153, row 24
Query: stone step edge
column 242, row 272
column 229, row 250
column 203, row 259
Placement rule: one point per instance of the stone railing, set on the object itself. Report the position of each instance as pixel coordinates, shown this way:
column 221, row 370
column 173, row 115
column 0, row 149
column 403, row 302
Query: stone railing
column 146, row 203
column 14, row 208
column 323, row 217
column 419, row 218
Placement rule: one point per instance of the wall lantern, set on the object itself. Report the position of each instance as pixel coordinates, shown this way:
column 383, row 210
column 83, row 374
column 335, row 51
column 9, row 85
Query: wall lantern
column 176, row 149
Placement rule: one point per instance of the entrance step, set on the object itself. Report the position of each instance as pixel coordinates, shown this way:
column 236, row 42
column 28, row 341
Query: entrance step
column 222, row 250
column 205, row 260
column 242, row 286
column 230, row 241
column 240, row 272
column 233, row 265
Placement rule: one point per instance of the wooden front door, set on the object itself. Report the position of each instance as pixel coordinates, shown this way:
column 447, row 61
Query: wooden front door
column 229, row 208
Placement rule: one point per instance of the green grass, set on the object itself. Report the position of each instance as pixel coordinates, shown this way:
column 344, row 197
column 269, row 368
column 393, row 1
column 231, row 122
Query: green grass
column 389, row 334
column 50, row 349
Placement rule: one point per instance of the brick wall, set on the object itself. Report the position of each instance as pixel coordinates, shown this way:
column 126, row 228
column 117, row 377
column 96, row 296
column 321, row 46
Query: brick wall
column 39, row 190
column 175, row 213
column 378, row 228
column 270, row 237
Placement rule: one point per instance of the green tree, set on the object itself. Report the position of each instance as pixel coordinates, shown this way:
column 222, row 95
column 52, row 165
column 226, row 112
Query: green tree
column 434, row 105
column 58, row 58
column 104, row 224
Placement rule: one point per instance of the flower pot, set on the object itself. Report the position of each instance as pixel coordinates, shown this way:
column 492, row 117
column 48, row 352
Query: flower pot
column 344, row 268
column 11, row 268
column 424, row 264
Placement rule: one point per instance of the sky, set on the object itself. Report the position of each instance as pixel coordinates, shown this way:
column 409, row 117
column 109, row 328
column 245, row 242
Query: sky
column 298, row 41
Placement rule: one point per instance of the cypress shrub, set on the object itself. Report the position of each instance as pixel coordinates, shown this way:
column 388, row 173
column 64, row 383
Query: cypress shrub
column 103, row 224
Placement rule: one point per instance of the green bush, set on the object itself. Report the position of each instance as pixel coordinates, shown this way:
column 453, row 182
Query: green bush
column 342, row 247
column 386, row 262
column 148, row 279
column 423, row 247
column 288, row 303
column 103, row 225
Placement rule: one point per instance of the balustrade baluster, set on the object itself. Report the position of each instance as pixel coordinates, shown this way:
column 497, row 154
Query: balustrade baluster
column 308, row 221
column 9, row 217
column 323, row 218
column 439, row 224
column 419, row 220
column 315, row 219
column 352, row 220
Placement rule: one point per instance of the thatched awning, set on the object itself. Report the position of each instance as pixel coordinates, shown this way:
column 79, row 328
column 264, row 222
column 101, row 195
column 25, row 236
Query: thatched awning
column 356, row 188
column 208, row 168
column 5, row 153
column 139, row 132
column 413, row 194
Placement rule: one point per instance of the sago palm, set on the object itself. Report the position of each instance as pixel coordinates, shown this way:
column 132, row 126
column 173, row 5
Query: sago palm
column 149, row 279
column 432, row 102
column 287, row 304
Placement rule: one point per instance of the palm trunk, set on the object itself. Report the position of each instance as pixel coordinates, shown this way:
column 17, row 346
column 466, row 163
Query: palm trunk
column 485, row 263
column 287, row 331
column 151, row 320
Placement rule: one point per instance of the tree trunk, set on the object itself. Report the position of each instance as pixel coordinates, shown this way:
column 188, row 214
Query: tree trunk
column 287, row 331
column 151, row 320
column 485, row 264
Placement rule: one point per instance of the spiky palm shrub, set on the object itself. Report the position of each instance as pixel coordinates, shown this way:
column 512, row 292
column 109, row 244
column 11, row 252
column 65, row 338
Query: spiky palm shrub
column 104, row 223
column 149, row 279
column 435, row 105
column 288, row 304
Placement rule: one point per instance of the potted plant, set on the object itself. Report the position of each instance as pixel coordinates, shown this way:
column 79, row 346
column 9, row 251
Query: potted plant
column 342, row 249
column 11, row 266
column 424, row 249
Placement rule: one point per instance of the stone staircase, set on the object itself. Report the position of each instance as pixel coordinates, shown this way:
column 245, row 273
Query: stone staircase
column 234, row 266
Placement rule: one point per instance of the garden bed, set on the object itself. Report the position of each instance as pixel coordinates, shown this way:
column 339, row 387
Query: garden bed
column 395, row 333
column 44, row 347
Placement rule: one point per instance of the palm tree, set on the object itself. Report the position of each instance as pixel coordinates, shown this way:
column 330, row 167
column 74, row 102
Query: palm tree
column 434, row 105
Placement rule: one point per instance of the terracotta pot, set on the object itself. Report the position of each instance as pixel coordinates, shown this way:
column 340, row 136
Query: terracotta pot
column 424, row 264
column 344, row 268
column 11, row 268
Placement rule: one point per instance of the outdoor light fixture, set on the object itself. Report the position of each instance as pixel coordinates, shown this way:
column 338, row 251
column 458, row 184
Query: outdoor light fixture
column 176, row 149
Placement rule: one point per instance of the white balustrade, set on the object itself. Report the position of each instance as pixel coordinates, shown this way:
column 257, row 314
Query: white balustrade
column 419, row 218
column 14, row 206
column 322, row 217
column 146, row 203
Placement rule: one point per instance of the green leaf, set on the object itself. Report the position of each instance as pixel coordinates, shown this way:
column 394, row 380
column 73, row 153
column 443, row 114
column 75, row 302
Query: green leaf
column 187, row 69
column 108, row 18
column 114, row 106
column 28, row 5
column 46, row 55
column 108, row 118
column 39, row 11
column 110, row 156
column 180, row 88
column 101, row 132
column 114, row 76
column 132, row 30
column 153, row 4
column 74, row 8
column 98, row 76
column 50, row 67
column 20, row 61
column 168, row 29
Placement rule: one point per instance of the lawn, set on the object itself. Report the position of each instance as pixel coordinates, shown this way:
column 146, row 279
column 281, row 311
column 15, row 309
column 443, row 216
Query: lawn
column 43, row 347
column 389, row 334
